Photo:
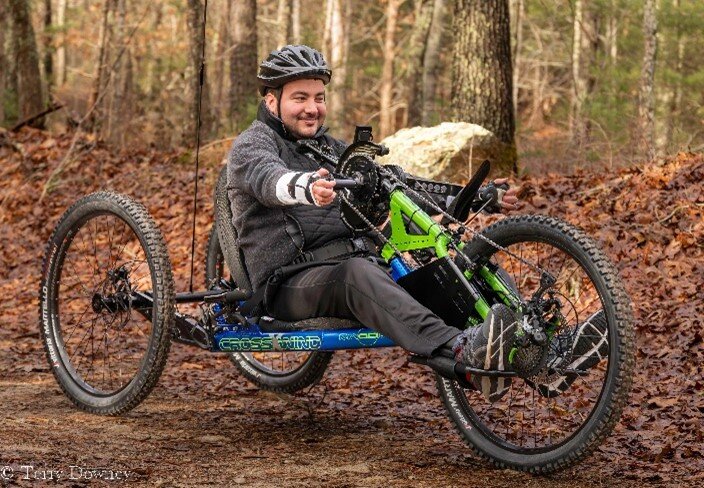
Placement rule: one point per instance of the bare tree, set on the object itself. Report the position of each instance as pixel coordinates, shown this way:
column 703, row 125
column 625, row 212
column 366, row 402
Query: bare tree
column 519, row 9
column 579, row 84
column 243, row 61
column 60, row 68
column 296, row 21
column 431, row 61
column 482, row 71
column 386, row 125
column 26, row 58
column 102, row 72
column 48, row 46
column 4, row 64
column 675, row 105
column 197, row 107
column 336, row 46
column 223, row 39
column 423, row 16
column 646, row 102
column 283, row 23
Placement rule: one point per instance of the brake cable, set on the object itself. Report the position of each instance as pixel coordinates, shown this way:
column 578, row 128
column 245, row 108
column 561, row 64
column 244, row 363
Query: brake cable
column 201, row 78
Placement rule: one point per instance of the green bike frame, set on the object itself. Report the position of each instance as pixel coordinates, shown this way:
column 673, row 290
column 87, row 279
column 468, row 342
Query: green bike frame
column 434, row 237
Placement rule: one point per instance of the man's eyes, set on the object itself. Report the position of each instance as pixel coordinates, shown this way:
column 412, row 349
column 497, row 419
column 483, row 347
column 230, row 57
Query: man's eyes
column 303, row 99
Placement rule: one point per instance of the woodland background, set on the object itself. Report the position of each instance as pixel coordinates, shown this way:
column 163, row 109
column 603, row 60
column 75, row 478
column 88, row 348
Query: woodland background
column 584, row 82
column 608, row 92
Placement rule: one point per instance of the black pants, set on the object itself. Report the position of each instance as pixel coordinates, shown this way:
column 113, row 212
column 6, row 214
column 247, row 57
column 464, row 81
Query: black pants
column 359, row 289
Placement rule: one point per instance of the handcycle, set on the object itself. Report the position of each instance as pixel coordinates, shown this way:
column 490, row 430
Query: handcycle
column 108, row 308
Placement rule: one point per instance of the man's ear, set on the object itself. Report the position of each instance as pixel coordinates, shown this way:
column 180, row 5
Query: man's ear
column 270, row 101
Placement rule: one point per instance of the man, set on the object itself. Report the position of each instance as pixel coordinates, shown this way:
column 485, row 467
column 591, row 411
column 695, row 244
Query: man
column 283, row 206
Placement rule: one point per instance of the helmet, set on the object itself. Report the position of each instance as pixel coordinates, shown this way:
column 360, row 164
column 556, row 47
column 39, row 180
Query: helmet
column 292, row 63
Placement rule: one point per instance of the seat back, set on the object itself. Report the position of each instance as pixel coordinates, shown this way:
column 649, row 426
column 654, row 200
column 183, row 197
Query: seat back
column 227, row 235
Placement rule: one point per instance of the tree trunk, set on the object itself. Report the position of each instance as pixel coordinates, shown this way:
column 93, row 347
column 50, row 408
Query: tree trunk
column 386, row 119
column 676, row 97
column 97, row 118
column 29, row 85
column 116, row 111
column 243, row 62
column 283, row 23
column 646, row 104
column 60, row 68
column 481, row 71
column 199, row 102
column 296, row 21
column 336, row 43
column 221, row 45
column 579, row 83
column 48, row 47
column 612, row 52
column 423, row 17
column 430, row 61
column 517, row 44
column 4, row 64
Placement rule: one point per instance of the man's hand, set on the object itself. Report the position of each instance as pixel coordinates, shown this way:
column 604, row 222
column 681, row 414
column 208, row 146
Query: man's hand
column 510, row 197
column 322, row 189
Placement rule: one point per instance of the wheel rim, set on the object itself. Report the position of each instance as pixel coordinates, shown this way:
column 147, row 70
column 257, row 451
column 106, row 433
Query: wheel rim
column 524, row 421
column 101, row 339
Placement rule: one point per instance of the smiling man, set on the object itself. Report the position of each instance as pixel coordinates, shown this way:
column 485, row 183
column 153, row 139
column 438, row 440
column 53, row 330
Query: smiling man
column 285, row 209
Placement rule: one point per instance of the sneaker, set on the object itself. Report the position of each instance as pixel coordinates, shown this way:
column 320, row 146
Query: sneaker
column 579, row 350
column 488, row 347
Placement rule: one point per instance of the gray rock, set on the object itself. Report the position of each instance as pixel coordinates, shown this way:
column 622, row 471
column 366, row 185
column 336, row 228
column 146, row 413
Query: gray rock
column 450, row 151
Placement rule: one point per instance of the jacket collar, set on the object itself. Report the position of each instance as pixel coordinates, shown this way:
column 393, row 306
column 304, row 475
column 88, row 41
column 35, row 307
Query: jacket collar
column 275, row 123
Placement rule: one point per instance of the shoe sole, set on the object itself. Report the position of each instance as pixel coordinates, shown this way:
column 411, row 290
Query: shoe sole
column 494, row 354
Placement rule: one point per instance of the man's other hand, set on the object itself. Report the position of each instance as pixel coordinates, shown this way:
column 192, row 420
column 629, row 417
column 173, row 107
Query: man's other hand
column 322, row 189
column 510, row 197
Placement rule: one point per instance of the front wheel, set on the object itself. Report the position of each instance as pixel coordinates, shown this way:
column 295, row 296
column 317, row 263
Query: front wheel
column 553, row 417
column 286, row 371
column 106, row 303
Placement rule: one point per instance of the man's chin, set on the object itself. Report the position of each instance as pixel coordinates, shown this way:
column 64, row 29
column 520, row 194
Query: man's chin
column 304, row 132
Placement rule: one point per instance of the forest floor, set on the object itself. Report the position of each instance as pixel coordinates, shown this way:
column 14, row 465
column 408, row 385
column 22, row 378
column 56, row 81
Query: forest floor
column 375, row 419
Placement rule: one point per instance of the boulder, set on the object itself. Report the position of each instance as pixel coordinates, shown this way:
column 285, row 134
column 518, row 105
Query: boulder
column 447, row 152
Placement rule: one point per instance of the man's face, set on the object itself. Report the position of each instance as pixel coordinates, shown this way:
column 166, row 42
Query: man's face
column 302, row 107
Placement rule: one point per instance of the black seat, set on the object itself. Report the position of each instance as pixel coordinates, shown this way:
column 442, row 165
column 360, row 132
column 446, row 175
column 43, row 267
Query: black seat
column 234, row 258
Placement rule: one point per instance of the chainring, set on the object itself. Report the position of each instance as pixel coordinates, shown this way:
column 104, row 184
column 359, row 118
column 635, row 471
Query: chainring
column 367, row 197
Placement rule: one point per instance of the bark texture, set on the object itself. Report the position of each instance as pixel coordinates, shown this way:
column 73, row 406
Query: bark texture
column 336, row 42
column 646, row 99
column 195, row 30
column 243, row 62
column 48, row 46
column 60, row 68
column 482, row 71
column 283, row 23
column 4, row 64
column 26, row 60
column 386, row 125
column 423, row 17
column 431, row 67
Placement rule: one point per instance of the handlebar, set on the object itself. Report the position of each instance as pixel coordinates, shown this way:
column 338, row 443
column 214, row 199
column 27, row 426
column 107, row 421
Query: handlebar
column 344, row 183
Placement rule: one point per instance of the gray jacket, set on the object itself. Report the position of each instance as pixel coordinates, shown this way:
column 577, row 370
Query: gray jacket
column 270, row 233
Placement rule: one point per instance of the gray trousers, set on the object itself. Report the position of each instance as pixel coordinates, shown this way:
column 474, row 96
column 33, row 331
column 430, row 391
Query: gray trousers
column 359, row 289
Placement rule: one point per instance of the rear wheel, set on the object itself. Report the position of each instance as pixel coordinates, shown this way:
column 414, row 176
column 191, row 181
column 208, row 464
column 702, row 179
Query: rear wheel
column 551, row 418
column 285, row 372
column 106, row 303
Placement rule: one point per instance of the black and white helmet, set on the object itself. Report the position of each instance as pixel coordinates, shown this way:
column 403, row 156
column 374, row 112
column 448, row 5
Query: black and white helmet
column 292, row 63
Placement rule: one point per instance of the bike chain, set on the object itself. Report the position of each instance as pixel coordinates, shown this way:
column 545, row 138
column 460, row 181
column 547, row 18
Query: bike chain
column 372, row 227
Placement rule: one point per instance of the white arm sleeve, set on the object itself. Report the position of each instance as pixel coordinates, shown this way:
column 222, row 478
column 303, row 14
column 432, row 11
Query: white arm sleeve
column 302, row 181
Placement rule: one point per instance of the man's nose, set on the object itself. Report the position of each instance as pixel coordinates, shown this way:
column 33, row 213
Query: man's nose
column 311, row 107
